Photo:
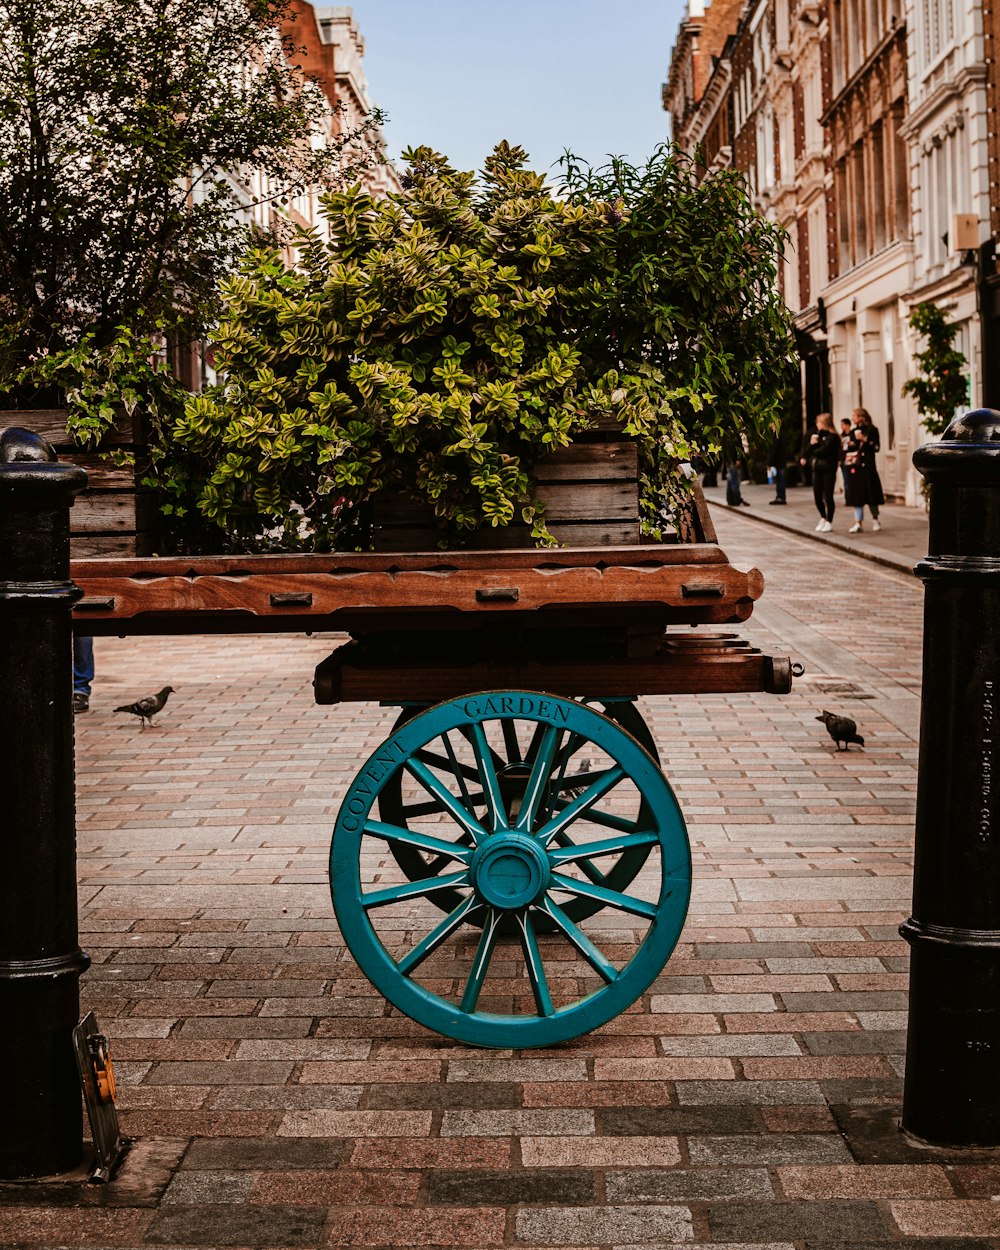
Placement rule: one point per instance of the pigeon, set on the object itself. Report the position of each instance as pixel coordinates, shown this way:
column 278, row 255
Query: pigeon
column 147, row 708
column 841, row 729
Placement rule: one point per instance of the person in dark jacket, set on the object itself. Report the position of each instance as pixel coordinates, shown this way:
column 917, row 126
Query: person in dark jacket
column 863, row 487
column 821, row 449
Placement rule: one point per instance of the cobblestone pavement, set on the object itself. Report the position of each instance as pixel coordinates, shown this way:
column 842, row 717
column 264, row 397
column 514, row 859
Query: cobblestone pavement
column 751, row 1098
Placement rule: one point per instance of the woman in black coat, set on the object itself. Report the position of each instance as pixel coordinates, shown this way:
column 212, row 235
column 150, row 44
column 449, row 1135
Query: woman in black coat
column 862, row 483
column 822, row 449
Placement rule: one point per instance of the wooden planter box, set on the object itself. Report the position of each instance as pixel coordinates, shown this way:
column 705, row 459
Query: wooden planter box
column 591, row 495
column 113, row 516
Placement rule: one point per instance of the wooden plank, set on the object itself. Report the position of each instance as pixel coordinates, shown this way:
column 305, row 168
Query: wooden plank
column 50, row 423
column 88, row 546
column 346, row 563
column 346, row 677
column 110, row 513
column 685, row 593
column 590, row 462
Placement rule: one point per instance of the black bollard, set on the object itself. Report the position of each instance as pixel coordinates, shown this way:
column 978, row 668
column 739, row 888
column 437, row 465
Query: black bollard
column 951, row 1094
column 40, row 956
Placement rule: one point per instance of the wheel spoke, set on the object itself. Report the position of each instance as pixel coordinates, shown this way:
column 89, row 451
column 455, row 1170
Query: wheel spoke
column 610, row 898
column 412, row 889
column 586, row 867
column 576, row 781
column 533, row 966
column 413, row 958
column 410, row 837
column 481, row 963
column 415, row 810
column 568, row 812
column 608, row 819
column 604, row 968
column 463, row 772
column 607, row 846
column 488, row 778
column 541, row 771
column 444, row 796
column 449, row 763
column 510, row 742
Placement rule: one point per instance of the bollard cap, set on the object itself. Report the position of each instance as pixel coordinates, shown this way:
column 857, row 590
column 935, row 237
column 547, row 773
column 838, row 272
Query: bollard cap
column 968, row 453
column 31, row 476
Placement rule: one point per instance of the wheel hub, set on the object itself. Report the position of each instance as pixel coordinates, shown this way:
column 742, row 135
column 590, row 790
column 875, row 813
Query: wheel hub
column 510, row 870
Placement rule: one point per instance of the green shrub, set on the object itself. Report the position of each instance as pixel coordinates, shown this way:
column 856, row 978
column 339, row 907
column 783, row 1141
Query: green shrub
column 444, row 339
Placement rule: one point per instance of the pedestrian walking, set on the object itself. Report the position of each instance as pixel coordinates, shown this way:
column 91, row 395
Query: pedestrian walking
column 777, row 461
column 821, row 450
column 734, row 495
column 863, row 486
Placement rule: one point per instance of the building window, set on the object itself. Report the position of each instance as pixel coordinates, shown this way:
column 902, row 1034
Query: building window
column 939, row 27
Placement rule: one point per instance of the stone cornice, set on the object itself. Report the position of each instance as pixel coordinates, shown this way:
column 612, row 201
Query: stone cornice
column 955, row 88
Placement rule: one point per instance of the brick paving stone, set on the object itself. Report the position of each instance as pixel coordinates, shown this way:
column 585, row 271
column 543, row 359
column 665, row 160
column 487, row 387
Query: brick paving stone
column 777, row 1149
column 562, row 1186
column 798, row 1119
column 887, row 1181
column 688, row 1185
column 237, row 1226
column 797, row 1220
column 406, row 1226
column 265, row 1154
column 610, row 1225
column 756, row 1092
column 432, row 1152
column 189, row 1188
column 355, row 1124
column 51, row 1226
column 529, row 1123
column 600, row 1152
column 306, row 1187
column 961, row 1217
column 652, row 1121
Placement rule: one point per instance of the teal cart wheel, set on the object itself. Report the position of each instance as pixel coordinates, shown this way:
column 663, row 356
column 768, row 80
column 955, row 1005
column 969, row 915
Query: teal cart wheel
column 487, row 973
column 403, row 798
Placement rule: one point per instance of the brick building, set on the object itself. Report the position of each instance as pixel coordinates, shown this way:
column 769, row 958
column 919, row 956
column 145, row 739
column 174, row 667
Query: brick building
column 701, row 41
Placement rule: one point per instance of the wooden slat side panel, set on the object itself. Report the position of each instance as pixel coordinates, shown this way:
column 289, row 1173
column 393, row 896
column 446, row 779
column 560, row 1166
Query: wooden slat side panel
column 50, row 423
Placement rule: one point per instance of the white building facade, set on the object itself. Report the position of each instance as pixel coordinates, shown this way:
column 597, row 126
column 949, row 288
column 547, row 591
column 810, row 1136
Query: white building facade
column 948, row 136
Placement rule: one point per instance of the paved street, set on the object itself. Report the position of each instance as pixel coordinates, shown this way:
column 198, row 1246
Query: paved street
column 750, row 1098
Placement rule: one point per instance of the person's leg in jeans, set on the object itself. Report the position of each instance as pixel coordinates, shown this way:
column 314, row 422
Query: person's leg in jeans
column 818, row 497
column 83, row 672
column 779, row 483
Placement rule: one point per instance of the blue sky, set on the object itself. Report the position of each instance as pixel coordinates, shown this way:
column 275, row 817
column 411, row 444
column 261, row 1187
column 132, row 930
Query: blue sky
column 460, row 75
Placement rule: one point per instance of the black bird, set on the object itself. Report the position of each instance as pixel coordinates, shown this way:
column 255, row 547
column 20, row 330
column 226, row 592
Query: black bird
column 147, row 708
column 841, row 729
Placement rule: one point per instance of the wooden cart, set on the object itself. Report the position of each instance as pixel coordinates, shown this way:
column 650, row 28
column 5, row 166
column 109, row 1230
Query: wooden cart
column 510, row 867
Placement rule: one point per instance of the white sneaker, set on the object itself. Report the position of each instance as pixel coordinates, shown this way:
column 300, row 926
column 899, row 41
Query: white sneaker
column 826, row 527
column 819, row 525
column 875, row 526
column 855, row 528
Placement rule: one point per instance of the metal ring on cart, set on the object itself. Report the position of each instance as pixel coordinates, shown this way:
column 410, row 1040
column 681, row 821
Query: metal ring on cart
column 509, row 753
column 532, row 851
